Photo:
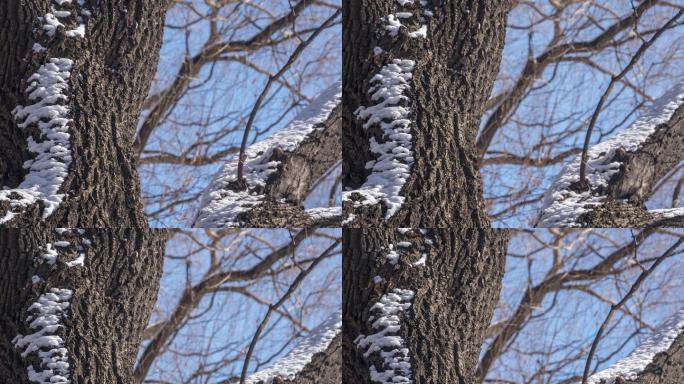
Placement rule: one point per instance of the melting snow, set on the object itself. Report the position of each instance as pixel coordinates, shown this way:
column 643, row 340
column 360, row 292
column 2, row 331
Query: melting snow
column 562, row 206
column 317, row 341
column 630, row 367
column 220, row 206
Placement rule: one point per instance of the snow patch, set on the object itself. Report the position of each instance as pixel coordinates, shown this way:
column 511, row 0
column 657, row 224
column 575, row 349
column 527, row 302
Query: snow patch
column 421, row 261
column 392, row 167
column 392, row 257
column 324, row 213
column 289, row 366
column 78, row 262
column 630, row 367
column 78, row 32
column 47, row 171
column 50, row 254
column 393, row 25
column 387, row 341
column 220, row 206
column 562, row 206
column 668, row 213
column 46, row 319
column 420, row 33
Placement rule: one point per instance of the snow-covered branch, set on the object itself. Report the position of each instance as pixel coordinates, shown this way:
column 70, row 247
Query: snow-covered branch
column 279, row 172
column 651, row 362
column 316, row 359
column 621, row 173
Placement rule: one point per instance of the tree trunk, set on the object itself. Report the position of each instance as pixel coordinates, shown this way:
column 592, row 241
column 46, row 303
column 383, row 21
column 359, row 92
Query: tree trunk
column 448, row 282
column 455, row 65
column 416, row 302
column 93, row 292
column 107, row 53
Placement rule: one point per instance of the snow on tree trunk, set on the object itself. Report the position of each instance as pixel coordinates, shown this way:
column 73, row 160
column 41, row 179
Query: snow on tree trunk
column 417, row 302
column 74, row 76
column 278, row 172
column 416, row 76
column 75, row 302
column 48, row 92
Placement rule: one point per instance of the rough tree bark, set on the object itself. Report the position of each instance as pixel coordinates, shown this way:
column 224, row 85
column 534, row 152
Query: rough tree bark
column 113, row 65
column 114, row 291
column 455, row 292
column 97, row 305
column 432, row 290
column 455, row 68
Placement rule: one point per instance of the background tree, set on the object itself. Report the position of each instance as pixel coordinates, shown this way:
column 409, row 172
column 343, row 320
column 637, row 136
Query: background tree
column 559, row 61
column 557, row 289
column 78, row 302
column 570, row 71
